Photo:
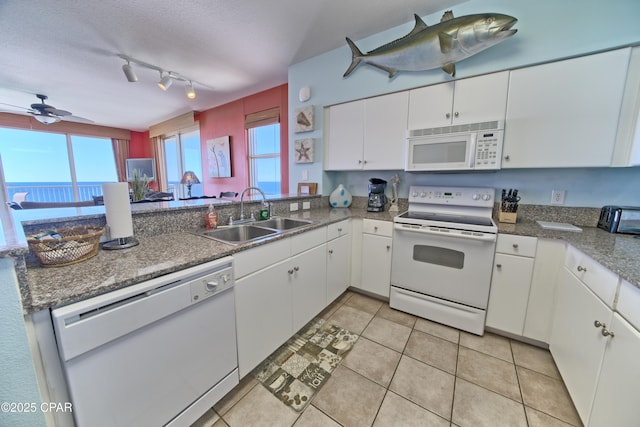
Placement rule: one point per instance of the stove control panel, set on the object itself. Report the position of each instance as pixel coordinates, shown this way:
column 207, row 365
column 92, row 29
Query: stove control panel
column 459, row 196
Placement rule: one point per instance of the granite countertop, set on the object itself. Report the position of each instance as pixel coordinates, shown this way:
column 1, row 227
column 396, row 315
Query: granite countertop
column 166, row 253
column 620, row 253
column 153, row 257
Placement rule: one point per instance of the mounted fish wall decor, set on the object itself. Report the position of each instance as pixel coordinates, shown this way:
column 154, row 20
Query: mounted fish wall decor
column 438, row 46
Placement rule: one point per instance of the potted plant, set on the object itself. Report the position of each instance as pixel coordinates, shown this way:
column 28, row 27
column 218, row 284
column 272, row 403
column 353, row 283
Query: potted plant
column 139, row 185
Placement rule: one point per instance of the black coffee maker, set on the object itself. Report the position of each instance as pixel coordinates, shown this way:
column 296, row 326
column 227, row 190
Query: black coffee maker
column 377, row 198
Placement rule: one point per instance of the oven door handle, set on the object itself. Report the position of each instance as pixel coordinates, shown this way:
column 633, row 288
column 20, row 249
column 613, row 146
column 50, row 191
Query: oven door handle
column 433, row 231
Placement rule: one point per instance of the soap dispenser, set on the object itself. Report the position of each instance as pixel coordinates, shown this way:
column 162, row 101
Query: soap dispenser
column 211, row 219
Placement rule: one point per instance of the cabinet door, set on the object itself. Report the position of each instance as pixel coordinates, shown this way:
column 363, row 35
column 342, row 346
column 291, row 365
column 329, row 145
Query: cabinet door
column 481, row 99
column 385, row 129
column 376, row 264
column 509, row 293
column 338, row 257
column 263, row 315
column 308, row 277
column 576, row 344
column 430, row 106
column 548, row 263
column 616, row 400
column 346, row 136
column 565, row 114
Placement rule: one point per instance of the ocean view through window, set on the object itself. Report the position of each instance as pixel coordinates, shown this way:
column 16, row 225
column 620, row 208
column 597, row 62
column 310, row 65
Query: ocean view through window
column 55, row 167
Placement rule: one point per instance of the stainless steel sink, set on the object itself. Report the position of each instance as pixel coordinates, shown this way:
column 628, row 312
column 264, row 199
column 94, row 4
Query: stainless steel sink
column 237, row 234
column 279, row 223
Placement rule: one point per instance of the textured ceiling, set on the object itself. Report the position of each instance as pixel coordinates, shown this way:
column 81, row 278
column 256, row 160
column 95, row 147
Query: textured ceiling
column 69, row 49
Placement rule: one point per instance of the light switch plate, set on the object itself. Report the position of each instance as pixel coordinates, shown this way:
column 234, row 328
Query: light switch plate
column 306, row 205
column 293, row 207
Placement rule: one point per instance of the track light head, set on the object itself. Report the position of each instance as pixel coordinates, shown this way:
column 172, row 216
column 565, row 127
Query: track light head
column 165, row 82
column 188, row 87
column 130, row 73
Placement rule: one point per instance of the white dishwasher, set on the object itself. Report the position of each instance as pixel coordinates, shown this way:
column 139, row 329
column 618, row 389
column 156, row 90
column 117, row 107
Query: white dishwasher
column 156, row 353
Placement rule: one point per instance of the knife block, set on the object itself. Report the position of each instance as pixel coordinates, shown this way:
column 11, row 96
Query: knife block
column 508, row 217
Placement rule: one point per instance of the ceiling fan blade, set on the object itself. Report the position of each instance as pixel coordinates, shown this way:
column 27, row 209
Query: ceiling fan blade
column 76, row 119
column 14, row 106
column 51, row 110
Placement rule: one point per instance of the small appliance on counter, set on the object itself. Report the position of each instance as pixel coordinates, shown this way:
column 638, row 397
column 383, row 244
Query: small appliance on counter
column 620, row 219
column 377, row 198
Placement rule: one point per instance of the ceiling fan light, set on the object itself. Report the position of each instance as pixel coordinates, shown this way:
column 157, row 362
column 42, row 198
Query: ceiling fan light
column 188, row 87
column 129, row 72
column 45, row 119
column 165, row 82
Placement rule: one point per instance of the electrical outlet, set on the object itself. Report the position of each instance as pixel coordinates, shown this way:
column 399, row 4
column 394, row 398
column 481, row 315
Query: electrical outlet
column 293, row 207
column 557, row 197
column 306, row 205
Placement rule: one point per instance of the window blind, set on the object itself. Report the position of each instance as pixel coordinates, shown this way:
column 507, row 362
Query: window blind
column 262, row 118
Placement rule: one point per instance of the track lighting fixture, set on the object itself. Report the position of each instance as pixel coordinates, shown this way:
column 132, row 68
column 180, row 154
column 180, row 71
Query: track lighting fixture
column 129, row 72
column 188, row 87
column 166, row 77
column 165, row 82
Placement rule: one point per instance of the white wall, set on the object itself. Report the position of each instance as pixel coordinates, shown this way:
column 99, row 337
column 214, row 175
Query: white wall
column 547, row 30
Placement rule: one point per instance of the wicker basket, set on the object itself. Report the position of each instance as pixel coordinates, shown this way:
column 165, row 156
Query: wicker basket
column 75, row 244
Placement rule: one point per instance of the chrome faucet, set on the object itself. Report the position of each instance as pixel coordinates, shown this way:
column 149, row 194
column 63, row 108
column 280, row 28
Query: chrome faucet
column 264, row 200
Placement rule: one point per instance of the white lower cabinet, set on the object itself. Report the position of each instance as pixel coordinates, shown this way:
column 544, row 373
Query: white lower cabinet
column 263, row 314
column 510, row 283
column 616, row 399
column 338, row 257
column 376, row 257
column 307, row 274
column 577, row 345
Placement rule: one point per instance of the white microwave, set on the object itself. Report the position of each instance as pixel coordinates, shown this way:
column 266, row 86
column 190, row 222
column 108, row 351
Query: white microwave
column 475, row 146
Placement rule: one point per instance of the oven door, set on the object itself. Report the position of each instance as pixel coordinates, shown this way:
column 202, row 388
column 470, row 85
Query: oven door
column 453, row 265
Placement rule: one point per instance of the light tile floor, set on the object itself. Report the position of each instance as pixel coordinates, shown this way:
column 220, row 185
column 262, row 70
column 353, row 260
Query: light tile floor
column 407, row 371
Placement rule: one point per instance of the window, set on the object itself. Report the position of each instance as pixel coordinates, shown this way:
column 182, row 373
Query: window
column 55, row 167
column 182, row 153
column 264, row 158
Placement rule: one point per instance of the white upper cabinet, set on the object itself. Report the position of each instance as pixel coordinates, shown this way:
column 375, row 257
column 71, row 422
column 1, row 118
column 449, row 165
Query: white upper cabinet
column 472, row 100
column 368, row 134
column 565, row 113
column 627, row 148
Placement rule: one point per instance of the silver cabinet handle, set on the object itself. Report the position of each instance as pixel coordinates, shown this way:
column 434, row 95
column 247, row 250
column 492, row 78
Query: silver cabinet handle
column 507, row 157
column 448, row 115
column 359, row 162
column 290, row 271
column 581, row 268
column 375, row 228
column 498, row 265
column 456, row 114
column 296, row 268
column 599, row 324
column 388, row 247
column 607, row 333
column 330, row 251
column 339, row 230
column 515, row 246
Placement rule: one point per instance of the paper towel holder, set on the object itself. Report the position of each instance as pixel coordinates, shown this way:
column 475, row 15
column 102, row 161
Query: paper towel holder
column 121, row 243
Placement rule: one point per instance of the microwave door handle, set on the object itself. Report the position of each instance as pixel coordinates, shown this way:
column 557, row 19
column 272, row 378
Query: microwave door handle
column 472, row 150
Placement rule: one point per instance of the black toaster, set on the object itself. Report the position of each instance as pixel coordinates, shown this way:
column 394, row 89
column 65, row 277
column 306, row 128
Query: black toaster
column 620, row 219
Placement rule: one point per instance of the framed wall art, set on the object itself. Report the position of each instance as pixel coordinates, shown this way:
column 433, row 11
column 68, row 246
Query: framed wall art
column 304, row 150
column 303, row 117
column 219, row 157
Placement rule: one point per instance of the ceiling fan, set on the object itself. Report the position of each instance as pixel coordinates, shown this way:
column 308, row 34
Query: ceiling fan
column 48, row 114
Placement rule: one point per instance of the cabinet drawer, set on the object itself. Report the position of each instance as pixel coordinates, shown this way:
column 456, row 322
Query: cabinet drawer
column 516, row 245
column 307, row 240
column 251, row 260
column 599, row 279
column 338, row 229
column 374, row 226
column 629, row 303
